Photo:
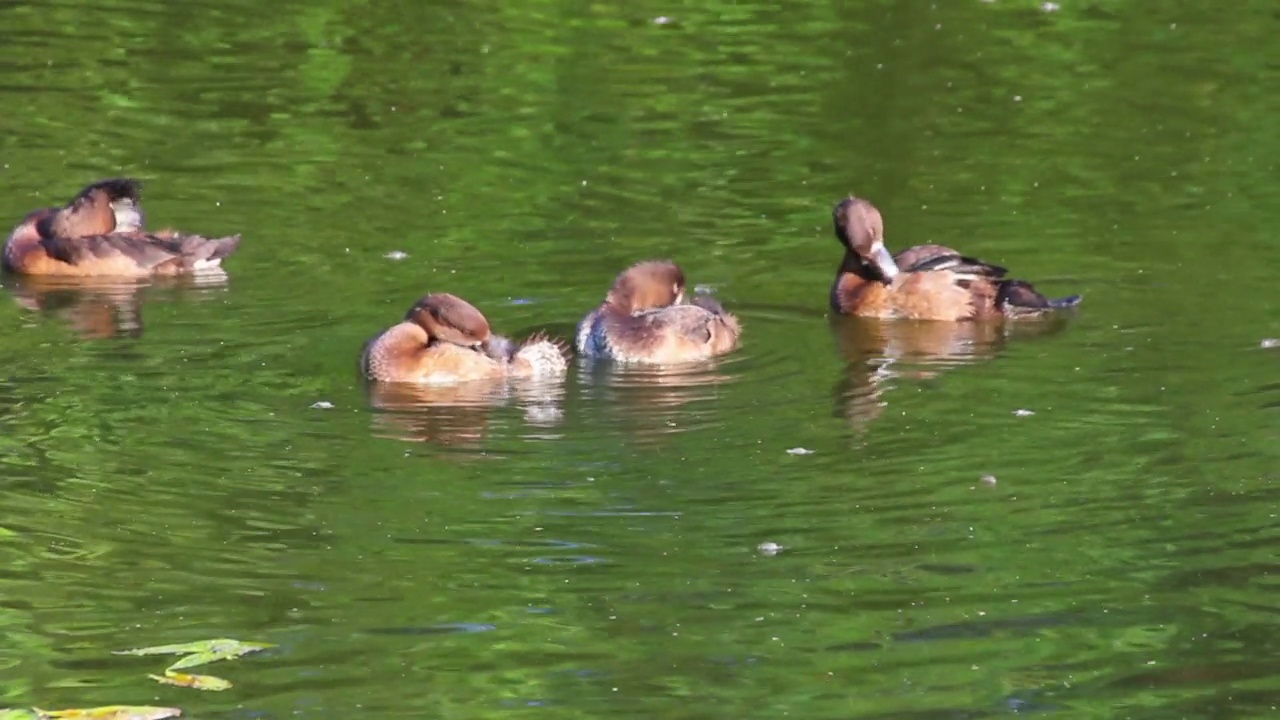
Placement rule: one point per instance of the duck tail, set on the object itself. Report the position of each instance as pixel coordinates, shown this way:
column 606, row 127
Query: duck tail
column 219, row 248
column 196, row 253
column 540, row 356
column 199, row 251
column 1017, row 297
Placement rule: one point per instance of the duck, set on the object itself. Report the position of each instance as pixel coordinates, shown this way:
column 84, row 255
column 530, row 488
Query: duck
column 445, row 339
column 100, row 233
column 925, row 282
column 645, row 319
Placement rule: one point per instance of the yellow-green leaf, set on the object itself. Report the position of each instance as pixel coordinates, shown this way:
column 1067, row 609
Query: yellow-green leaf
column 197, row 682
column 197, row 659
column 110, row 712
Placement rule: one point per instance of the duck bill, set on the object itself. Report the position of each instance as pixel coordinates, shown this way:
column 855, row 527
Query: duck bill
column 498, row 348
column 128, row 216
column 883, row 262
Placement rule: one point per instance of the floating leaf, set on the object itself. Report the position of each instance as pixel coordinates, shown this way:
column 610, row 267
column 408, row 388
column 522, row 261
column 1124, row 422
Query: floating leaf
column 109, row 712
column 205, row 651
column 200, row 658
column 163, row 650
column 197, row 682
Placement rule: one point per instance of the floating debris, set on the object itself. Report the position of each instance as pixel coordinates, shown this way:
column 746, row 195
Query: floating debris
column 799, row 451
column 769, row 548
column 1050, row 7
column 1022, row 412
column 1269, row 343
column 662, row 20
column 988, row 480
column 106, row 712
column 322, row 405
column 396, row 255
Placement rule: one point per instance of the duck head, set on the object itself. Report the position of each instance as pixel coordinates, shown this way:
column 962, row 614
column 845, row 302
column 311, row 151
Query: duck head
column 860, row 229
column 449, row 318
column 104, row 207
column 647, row 285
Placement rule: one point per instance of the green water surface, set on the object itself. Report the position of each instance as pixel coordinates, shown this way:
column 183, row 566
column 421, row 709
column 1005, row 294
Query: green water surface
column 591, row 551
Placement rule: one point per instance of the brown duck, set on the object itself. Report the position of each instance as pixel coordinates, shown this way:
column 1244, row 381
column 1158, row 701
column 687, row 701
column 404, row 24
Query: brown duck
column 925, row 282
column 645, row 319
column 445, row 339
column 100, row 233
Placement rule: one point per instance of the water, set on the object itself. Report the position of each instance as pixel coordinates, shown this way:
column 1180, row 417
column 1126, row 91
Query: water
column 591, row 550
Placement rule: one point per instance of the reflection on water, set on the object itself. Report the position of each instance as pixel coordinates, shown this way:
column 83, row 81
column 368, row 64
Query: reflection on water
column 641, row 401
column 652, row 401
column 880, row 352
column 458, row 415
column 100, row 308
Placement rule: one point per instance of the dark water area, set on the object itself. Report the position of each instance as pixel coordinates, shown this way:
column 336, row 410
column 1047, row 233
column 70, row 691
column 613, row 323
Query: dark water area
column 182, row 461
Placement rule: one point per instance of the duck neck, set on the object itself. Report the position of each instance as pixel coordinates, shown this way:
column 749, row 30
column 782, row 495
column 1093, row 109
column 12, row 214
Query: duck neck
column 853, row 264
column 24, row 236
column 852, row 275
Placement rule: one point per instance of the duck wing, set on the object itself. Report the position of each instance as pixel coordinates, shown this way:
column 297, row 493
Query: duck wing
column 701, row 323
column 936, row 258
column 150, row 251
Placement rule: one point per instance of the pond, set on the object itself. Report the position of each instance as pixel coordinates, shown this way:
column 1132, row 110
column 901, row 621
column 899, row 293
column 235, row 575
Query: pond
column 840, row 520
